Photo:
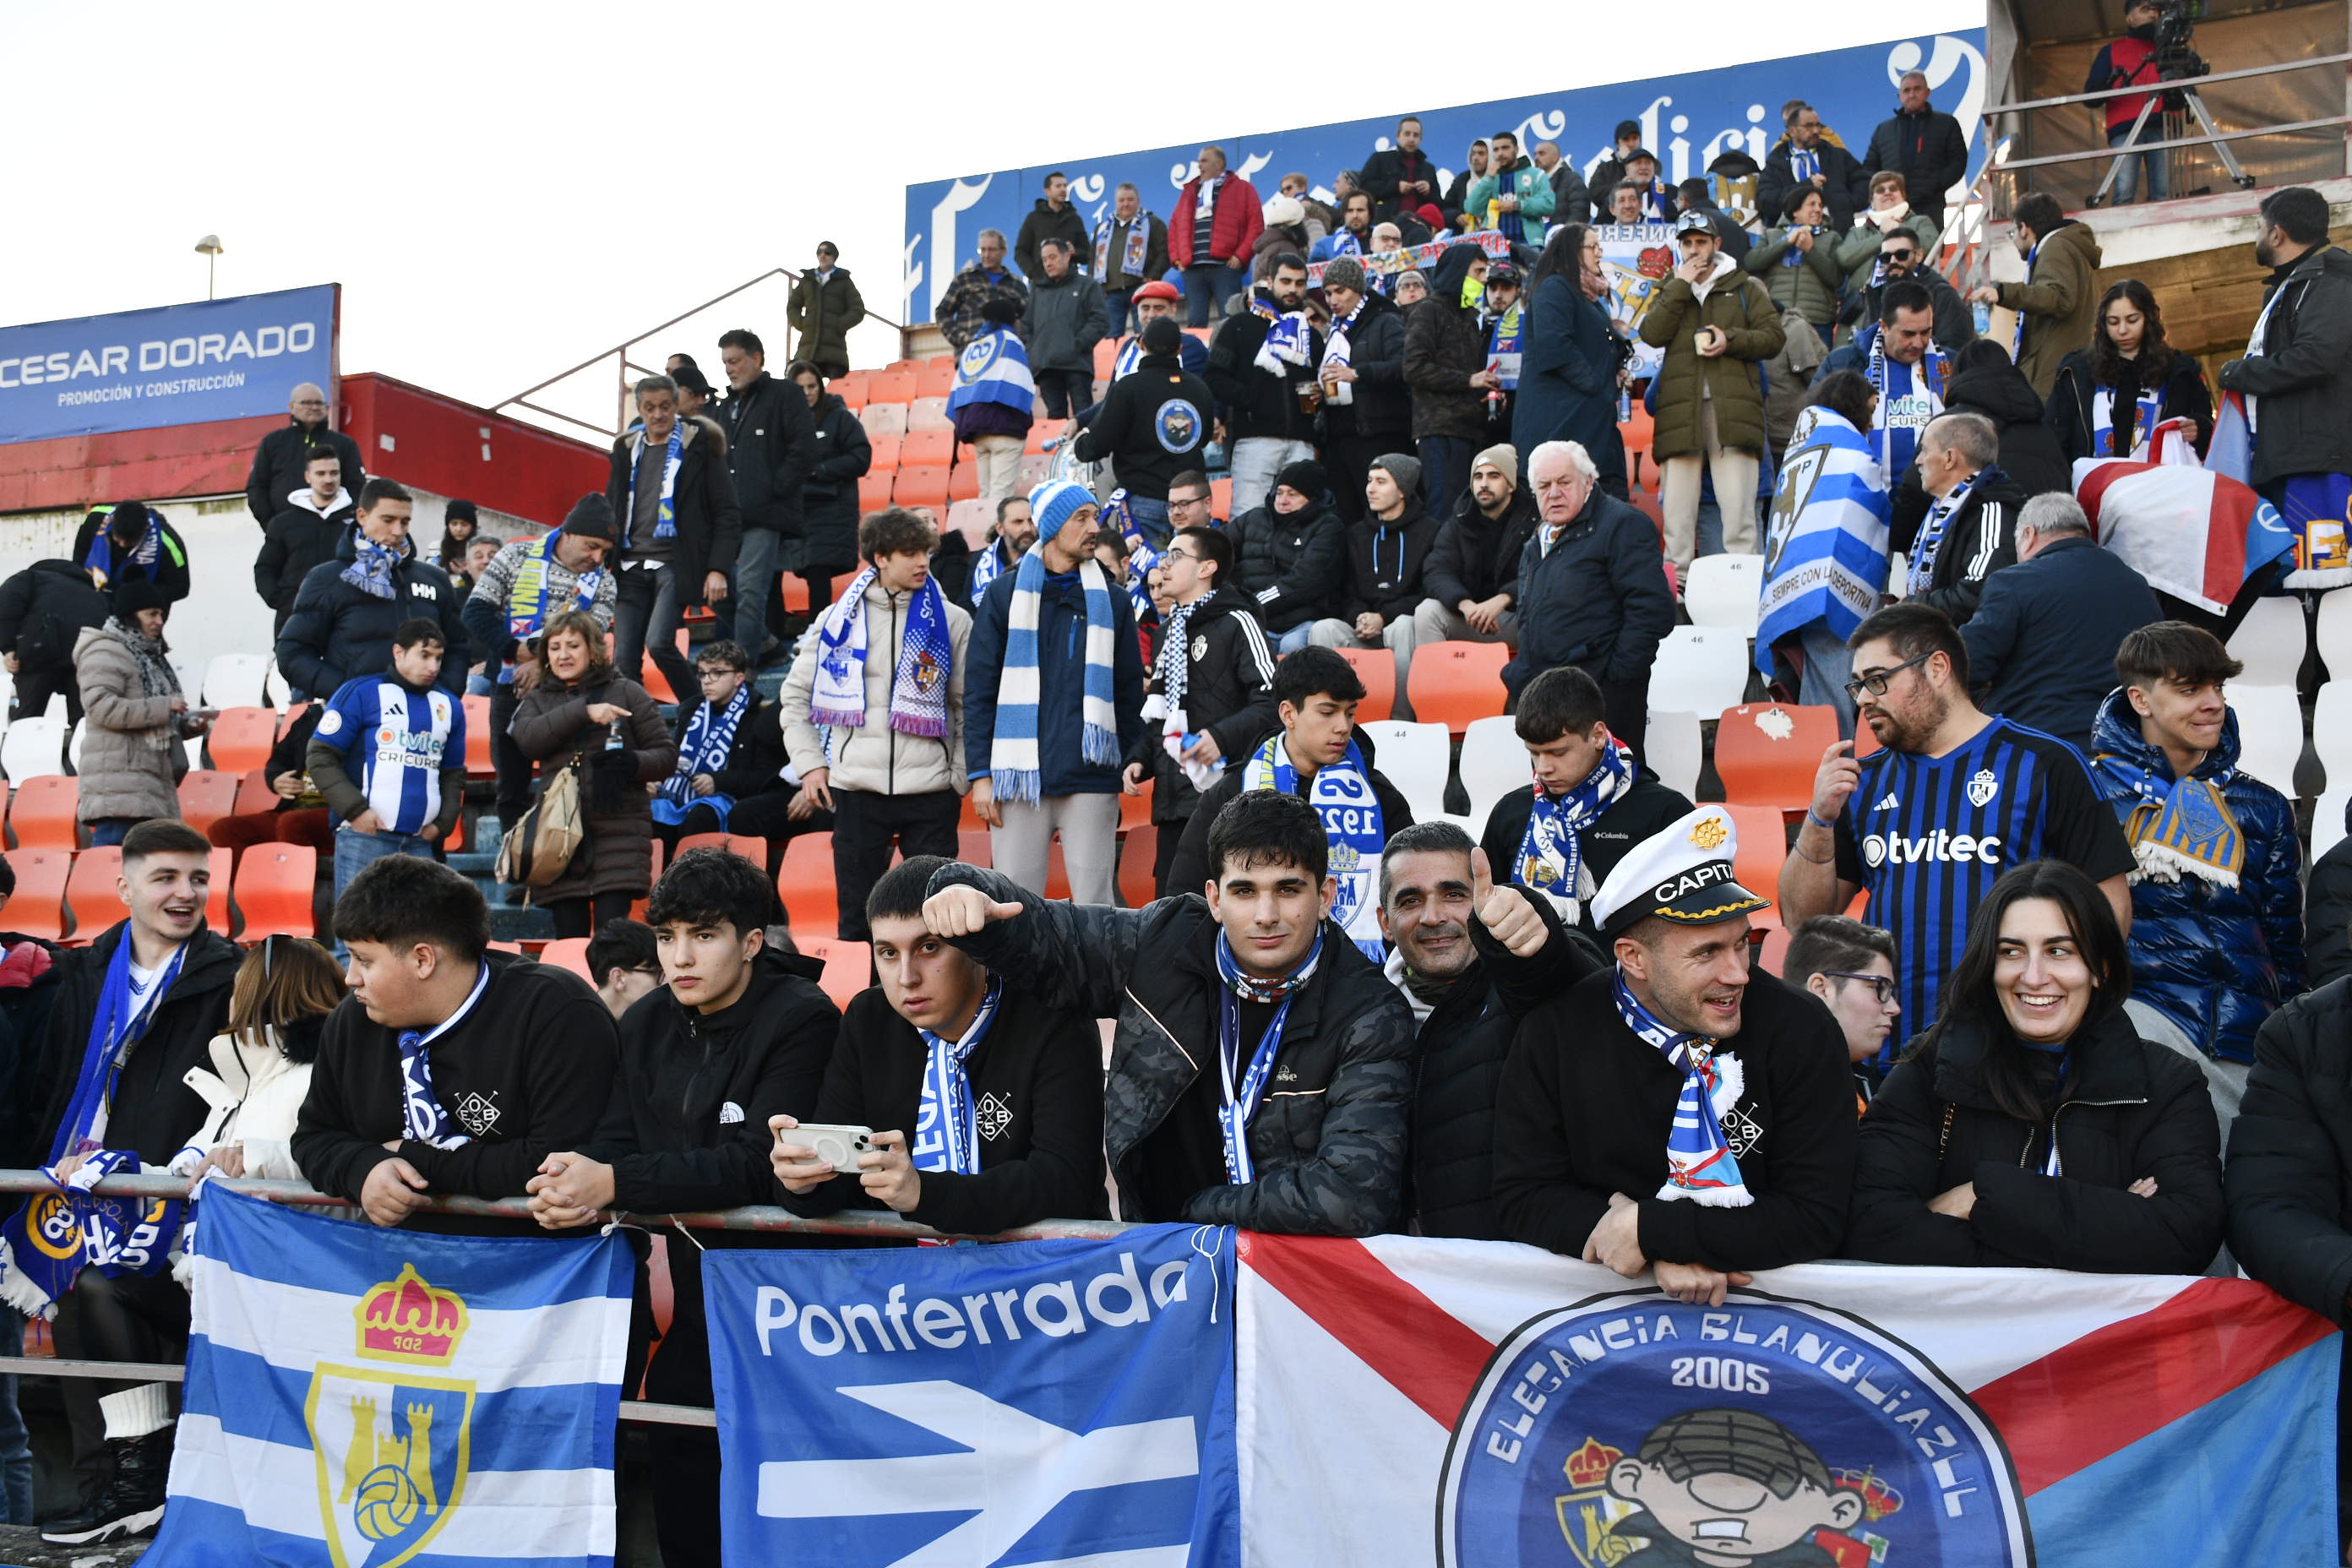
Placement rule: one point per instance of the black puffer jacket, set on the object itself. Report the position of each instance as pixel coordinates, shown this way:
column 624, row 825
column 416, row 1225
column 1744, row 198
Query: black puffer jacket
column 1444, row 348
column 1329, row 1142
column 336, row 630
column 2303, row 375
column 284, row 453
column 1254, row 401
column 298, row 538
column 771, row 448
column 2290, row 1171
column 1475, row 556
column 1290, row 563
column 2130, row 1109
column 687, row 1129
column 43, row 609
column 1381, row 404
column 2327, row 914
column 1042, row 223
column 1228, row 692
column 829, row 500
column 1598, row 600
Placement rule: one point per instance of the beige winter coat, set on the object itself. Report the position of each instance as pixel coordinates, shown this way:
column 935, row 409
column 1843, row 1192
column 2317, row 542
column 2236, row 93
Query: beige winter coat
column 875, row 758
column 131, row 755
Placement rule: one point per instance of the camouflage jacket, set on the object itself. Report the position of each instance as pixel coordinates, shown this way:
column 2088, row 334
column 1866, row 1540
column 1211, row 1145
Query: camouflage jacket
column 1328, row 1140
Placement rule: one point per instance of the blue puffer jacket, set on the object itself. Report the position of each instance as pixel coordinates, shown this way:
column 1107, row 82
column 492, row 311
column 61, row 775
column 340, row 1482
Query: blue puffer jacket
column 2217, row 961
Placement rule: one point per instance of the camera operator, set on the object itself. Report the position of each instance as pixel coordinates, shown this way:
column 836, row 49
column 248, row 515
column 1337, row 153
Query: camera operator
column 2132, row 60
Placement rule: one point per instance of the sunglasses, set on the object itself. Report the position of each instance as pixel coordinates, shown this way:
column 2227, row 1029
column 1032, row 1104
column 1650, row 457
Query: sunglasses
column 1898, row 255
column 1882, row 984
column 1876, row 681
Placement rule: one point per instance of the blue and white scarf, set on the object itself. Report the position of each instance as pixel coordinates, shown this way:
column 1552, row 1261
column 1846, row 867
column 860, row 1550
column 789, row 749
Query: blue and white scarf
column 533, row 586
column 947, row 1125
column 373, row 565
column 1342, row 795
column 100, row 557
column 1903, row 415
column 1551, row 850
column 2180, row 826
column 666, row 519
column 1141, row 559
column 1242, row 1096
column 2147, row 410
column 709, row 740
column 1804, row 165
column 1287, row 340
column 1700, row 1166
column 1793, row 257
column 1012, row 763
column 423, row 1118
column 1130, row 355
column 1132, row 249
column 1925, row 548
column 993, row 368
column 1345, row 243
column 985, row 570
column 54, row 1237
column 919, row 687
column 1505, row 334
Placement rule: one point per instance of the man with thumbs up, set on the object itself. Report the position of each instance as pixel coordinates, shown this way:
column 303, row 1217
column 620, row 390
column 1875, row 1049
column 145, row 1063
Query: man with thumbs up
column 1259, row 1072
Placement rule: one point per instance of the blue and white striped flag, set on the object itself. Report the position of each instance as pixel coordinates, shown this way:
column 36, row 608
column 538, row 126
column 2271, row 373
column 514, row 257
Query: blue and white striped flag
column 993, row 368
column 1825, row 545
column 363, row 1398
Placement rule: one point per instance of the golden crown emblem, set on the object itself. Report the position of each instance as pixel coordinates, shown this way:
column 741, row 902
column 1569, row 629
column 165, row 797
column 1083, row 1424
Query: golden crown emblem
column 405, row 1318
column 1589, row 1467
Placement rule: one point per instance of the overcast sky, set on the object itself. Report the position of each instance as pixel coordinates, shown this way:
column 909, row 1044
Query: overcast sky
column 505, row 188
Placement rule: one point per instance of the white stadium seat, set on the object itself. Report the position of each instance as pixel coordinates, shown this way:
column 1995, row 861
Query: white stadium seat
column 2269, row 733
column 35, row 747
column 2335, row 635
column 2270, row 642
column 1494, row 763
column 237, row 681
column 2331, row 730
column 1673, row 749
column 1701, row 670
column 1723, row 590
column 1416, row 758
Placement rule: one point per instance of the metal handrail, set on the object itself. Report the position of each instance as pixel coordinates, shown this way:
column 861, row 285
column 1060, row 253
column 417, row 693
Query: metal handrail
column 865, row 1224
column 2101, row 153
column 2107, row 92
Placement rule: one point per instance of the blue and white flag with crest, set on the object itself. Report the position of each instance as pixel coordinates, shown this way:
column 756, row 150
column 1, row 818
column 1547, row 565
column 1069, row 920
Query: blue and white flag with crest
column 993, row 368
column 1038, row 1403
column 366, row 1398
column 1825, row 542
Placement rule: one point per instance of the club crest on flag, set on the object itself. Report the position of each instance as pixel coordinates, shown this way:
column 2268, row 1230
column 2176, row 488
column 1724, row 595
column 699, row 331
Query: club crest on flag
column 1631, row 1428
column 978, row 354
column 392, row 1445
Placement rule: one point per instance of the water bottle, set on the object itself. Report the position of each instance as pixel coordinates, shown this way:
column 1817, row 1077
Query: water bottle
column 1624, row 405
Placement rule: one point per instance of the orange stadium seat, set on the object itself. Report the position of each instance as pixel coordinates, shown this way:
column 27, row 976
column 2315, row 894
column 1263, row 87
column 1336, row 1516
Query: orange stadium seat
column 794, row 589
column 1772, row 954
column 1135, row 810
column 37, row 906
column 851, row 389
column 1221, row 498
column 873, row 491
column 569, row 952
column 805, row 881
column 241, row 738
column 1452, row 683
column 1038, row 432
column 91, row 894
column 206, row 796
column 923, row 449
column 637, row 906
column 924, row 486
column 1106, row 357
column 254, row 795
column 848, row 965
column 963, row 483
column 1376, row 668
column 216, row 907
column 883, row 419
column 936, row 376
column 751, row 848
column 891, row 387
column 1767, row 753
column 972, row 845
column 885, row 453
column 41, row 813
column 478, row 762
column 1057, row 874
column 273, row 890
column 1136, row 853
column 901, row 367
column 1763, row 846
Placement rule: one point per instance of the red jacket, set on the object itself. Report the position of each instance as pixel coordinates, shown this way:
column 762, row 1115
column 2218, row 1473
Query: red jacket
column 1240, row 219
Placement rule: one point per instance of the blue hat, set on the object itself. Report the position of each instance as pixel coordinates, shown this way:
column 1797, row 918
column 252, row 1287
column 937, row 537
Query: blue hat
column 1051, row 504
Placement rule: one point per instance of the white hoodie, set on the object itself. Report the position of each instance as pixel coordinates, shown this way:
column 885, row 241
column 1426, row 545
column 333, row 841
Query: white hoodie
column 303, row 501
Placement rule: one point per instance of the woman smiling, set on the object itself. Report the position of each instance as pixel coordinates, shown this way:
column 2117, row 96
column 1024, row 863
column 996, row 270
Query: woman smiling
column 2031, row 1127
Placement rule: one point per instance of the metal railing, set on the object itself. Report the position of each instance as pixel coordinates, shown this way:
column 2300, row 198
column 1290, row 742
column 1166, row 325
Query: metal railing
column 625, row 367
column 865, row 1224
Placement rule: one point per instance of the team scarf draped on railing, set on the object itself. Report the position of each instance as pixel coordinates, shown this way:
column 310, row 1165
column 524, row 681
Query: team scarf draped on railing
column 1342, row 795
column 1826, row 535
column 422, row 1117
column 918, row 685
column 1551, row 851
column 665, row 516
column 709, row 740
column 1241, row 1095
column 1700, row 1166
column 1013, row 760
column 947, row 1125
column 50, row 1240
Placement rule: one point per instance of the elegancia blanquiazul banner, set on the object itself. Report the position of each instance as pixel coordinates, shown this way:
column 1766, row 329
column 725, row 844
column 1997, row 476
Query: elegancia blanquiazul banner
column 1687, row 120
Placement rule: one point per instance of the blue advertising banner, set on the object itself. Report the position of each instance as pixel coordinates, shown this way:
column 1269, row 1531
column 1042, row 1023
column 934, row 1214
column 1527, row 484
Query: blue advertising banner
column 1687, row 120
column 1040, row 1402
column 176, row 364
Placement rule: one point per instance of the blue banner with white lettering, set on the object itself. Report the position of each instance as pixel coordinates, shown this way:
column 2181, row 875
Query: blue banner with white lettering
column 1033, row 1403
column 1687, row 120
column 176, row 364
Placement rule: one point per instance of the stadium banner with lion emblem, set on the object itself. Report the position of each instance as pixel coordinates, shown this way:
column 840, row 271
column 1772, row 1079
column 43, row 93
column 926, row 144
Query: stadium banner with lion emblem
column 1481, row 1405
column 368, row 1398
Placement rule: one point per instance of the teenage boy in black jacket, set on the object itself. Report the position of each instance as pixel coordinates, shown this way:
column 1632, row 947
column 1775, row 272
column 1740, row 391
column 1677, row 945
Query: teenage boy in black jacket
column 1016, row 1135
column 1214, row 676
column 1320, row 1051
column 516, row 1057
column 738, row 1034
column 749, row 779
column 1678, row 1111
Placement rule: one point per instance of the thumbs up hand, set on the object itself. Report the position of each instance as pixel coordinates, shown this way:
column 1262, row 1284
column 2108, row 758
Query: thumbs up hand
column 1507, row 913
column 961, row 910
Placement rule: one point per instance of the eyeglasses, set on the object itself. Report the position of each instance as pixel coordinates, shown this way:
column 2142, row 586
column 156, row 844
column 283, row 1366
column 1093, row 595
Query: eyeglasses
column 1186, row 504
column 1876, row 681
column 1882, row 984
column 1177, row 555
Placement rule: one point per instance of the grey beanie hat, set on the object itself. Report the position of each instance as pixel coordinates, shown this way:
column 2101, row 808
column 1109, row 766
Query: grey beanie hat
column 1346, row 271
column 1404, row 470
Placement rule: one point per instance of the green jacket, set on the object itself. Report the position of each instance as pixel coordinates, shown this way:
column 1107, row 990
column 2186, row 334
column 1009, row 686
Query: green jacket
column 1529, row 183
column 843, row 309
column 2059, row 301
column 1810, row 288
column 1743, row 308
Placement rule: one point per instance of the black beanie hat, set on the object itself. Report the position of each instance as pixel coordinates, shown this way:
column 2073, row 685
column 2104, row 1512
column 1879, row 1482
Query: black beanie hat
column 1161, row 336
column 457, row 509
column 590, row 517
column 1000, row 312
column 133, row 594
column 1306, row 477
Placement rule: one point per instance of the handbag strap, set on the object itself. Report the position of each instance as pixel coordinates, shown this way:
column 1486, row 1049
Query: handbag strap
column 1944, row 1136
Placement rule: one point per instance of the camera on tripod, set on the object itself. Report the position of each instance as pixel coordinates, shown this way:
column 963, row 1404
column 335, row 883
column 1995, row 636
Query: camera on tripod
column 2175, row 28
